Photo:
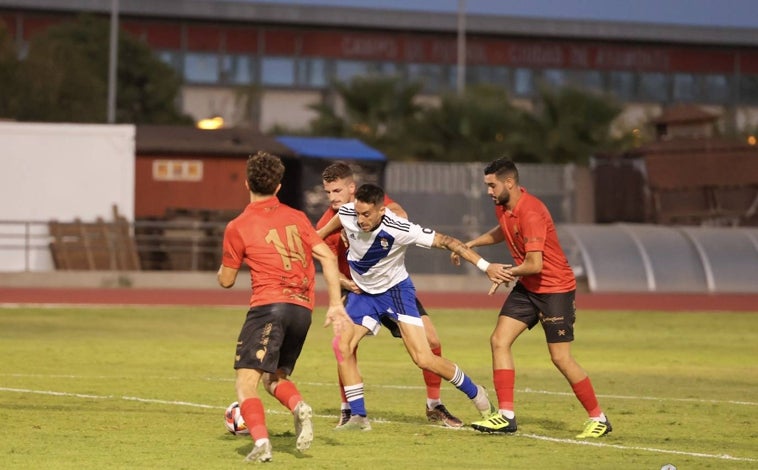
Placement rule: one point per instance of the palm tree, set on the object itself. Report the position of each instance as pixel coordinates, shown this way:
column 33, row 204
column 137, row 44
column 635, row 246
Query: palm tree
column 377, row 110
column 473, row 127
column 567, row 126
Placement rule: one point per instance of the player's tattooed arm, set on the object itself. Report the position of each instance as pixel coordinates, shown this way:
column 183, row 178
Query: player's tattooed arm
column 495, row 271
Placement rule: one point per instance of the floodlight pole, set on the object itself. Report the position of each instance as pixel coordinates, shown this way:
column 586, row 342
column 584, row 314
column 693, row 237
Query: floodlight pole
column 112, row 63
column 461, row 75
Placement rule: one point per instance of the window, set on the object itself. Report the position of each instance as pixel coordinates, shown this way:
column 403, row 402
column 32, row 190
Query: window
column 716, row 89
column 475, row 74
column 685, row 87
column 523, row 82
column 201, row 67
column 237, row 69
column 554, row 78
column 500, row 76
column 346, row 70
column 429, row 75
column 587, row 79
column 621, row 84
column 171, row 58
column 278, row 71
column 311, row 71
column 749, row 89
column 654, row 87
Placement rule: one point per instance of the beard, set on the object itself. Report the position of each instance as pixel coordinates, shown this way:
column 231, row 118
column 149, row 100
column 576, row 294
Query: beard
column 502, row 199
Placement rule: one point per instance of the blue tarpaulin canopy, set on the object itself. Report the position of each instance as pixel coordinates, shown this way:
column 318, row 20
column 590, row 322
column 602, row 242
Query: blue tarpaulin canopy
column 331, row 148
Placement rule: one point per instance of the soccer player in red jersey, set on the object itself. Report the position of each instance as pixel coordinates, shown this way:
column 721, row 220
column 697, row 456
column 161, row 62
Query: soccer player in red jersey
column 339, row 184
column 544, row 292
column 278, row 244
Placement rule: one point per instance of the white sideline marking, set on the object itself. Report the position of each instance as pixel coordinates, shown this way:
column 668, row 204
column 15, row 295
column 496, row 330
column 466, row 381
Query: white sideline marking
column 528, row 436
column 398, row 387
column 647, row 449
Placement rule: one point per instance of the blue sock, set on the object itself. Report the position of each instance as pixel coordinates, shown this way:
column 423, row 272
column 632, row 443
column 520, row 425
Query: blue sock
column 463, row 383
column 354, row 394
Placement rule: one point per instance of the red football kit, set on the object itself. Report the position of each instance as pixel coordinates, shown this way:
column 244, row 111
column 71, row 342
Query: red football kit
column 529, row 227
column 276, row 242
column 334, row 239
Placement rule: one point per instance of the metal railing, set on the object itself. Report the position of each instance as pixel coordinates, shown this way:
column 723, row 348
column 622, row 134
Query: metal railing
column 186, row 245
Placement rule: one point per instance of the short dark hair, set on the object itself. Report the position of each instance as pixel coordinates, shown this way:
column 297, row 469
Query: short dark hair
column 370, row 194
column 337, row 171
column 502, row 168
column 264, row 172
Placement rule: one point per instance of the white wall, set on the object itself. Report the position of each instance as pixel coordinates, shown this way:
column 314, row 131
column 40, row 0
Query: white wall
column 287, row 108
column 60, row 172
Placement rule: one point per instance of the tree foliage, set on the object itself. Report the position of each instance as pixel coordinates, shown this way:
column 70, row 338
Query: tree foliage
column 471, row 127
column 377, row 110
column 566, row 125
column 9, row 79
column 65, row 78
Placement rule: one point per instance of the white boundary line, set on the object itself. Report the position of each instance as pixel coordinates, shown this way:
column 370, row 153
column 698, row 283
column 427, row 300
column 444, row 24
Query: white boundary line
column 396, row 387
column 525, row 435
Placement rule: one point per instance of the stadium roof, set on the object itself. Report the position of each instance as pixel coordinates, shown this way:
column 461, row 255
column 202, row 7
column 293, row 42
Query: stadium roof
column 330, row 16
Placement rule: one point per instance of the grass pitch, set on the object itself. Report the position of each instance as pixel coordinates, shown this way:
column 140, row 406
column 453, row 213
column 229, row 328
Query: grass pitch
column 95, row 387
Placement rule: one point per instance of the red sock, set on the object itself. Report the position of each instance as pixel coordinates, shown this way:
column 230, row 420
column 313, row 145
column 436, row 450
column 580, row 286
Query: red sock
column 255, row 418
column 504, row 379
column 586, row 395
column 433, row 381
column 287, row 394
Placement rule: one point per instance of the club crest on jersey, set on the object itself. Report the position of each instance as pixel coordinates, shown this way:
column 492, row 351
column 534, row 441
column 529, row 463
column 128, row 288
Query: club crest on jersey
column 384, row 243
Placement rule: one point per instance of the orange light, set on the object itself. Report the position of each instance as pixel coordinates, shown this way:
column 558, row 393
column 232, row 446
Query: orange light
column 751, row 140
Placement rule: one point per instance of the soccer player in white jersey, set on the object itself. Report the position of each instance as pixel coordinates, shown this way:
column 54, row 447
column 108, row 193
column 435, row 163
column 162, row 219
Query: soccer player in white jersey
column 378, row 239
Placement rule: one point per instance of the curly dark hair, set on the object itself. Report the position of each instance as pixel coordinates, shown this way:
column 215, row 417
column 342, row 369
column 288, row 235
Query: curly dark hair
column 264, row 172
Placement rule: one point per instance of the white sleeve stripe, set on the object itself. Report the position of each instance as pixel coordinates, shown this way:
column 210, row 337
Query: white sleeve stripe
column 347, row 211
column 403, row 226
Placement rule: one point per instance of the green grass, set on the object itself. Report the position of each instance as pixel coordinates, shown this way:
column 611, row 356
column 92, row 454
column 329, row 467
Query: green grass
column 146, row 388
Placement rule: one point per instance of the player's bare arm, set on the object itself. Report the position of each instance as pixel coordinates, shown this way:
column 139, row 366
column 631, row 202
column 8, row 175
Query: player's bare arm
column 492, row 237
column 349, row 285
column 495, row 271
column 226, row 276
column 532, row 265
column 331, row 226
column 335, row 314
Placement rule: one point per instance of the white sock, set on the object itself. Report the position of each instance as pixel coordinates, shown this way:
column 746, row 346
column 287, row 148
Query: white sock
column 508, row 413
column 599, row 418
column 432, row 403
column 261, row 442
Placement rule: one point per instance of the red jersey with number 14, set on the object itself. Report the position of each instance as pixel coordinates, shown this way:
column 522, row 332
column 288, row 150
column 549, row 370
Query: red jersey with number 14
column 276, row 242
column 529, row 227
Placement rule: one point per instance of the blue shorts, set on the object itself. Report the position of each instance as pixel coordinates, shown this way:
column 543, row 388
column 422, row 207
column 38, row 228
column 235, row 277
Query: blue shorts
column 398, row 304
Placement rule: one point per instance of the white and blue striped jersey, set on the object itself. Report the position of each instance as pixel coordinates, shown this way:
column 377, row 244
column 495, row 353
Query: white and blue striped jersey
column 377, row 258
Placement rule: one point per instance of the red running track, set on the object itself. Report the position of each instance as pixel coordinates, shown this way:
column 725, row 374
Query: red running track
column 240, row 297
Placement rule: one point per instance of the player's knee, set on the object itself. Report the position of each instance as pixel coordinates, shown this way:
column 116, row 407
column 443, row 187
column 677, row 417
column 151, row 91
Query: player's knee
column 562, row 360
column 424, row 360
column 341, row 348
column 498, row 342
column 434, row 342
column 270, row 382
